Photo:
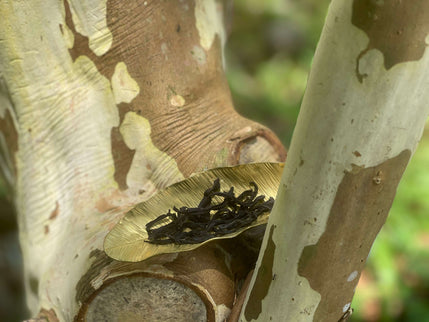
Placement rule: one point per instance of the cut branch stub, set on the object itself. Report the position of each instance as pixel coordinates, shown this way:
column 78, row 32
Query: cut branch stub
column 127, row 241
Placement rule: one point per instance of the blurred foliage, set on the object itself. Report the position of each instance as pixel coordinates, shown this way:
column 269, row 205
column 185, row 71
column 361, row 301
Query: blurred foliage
column 269, row 54
column 268, row 57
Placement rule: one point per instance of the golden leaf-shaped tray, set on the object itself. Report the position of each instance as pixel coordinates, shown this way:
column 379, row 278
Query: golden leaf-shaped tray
column 126, row 241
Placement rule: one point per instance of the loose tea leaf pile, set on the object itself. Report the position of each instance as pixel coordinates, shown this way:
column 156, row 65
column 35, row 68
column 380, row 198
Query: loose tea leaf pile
column 219, row 213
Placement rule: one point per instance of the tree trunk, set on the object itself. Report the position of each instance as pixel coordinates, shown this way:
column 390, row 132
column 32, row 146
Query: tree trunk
column 362, row 116
column 102, row 104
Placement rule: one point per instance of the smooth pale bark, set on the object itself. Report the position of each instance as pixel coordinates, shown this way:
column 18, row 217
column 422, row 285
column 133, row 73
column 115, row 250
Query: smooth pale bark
column 362, row 116
column 101, row 105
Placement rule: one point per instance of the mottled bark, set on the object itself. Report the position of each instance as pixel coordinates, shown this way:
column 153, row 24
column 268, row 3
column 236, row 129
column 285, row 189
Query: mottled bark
column 362, row 116
column 103, row 103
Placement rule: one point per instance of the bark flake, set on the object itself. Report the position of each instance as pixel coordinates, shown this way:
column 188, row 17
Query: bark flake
column 55, row 212
column 359, row 211
column 396, row 28
column 122, row 158
column 264, row 277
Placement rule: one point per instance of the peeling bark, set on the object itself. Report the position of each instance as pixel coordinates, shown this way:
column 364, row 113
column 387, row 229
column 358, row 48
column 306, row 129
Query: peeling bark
column 399, row 42
column 360, row 209
column 356, row 131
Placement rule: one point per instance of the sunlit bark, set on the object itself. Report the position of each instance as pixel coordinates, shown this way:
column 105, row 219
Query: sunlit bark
column 103, row 103
column 362, row 116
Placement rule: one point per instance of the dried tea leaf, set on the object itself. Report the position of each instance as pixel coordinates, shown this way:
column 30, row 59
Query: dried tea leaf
column 219, row 213
column 127, row 241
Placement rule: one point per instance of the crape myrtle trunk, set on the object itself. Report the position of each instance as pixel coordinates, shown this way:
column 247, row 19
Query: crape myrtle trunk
column 102, row 104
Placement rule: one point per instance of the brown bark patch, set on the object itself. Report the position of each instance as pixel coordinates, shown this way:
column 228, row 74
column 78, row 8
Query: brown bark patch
column 8, row 129
column 84, row 289
column 258, row 144
column 55, row 212
column 122, row 155
column 47, row 315
column 205, row 266
column 81, row 43
column 108, row 202
column 264, row 277
column 238, row 304
column 333, row 265
column 105, row 64
column 162, row 59
column 397, row 28
column 122, row 158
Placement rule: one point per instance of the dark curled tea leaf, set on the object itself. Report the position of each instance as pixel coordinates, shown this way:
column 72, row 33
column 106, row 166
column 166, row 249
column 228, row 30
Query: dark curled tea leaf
column 210, row 219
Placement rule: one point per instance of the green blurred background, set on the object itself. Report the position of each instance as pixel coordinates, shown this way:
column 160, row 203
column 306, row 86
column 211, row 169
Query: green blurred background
column 269, row 54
